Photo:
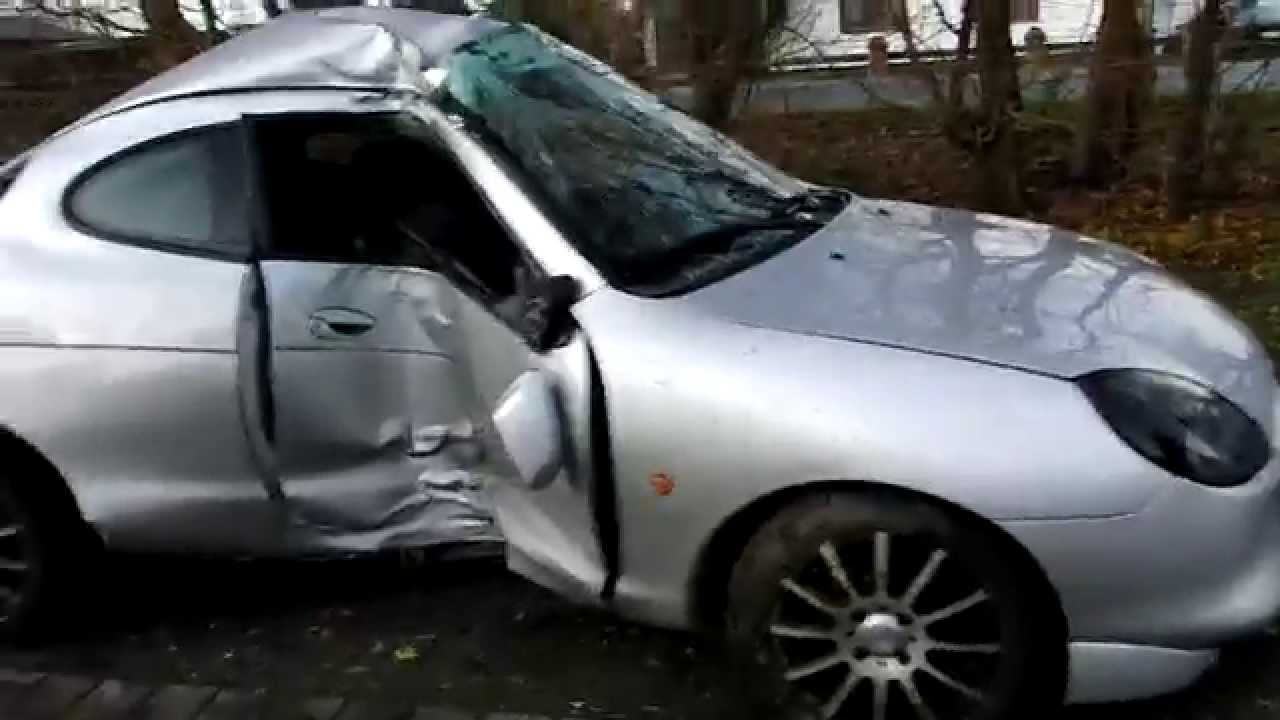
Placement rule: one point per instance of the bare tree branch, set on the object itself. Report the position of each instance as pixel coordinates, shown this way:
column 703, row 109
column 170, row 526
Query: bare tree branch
column 942, row 17
column 791, row 34
column 1258, row 78
column 101, row 23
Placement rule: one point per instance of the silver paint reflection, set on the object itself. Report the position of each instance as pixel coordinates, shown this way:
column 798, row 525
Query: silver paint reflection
column 996, row 290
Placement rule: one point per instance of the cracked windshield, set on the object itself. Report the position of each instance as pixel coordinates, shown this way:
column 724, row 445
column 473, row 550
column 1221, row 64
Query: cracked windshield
column 631, row 359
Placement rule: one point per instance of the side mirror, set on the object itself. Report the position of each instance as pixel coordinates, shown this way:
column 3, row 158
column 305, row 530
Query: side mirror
column 546, row 321
column 527, row 421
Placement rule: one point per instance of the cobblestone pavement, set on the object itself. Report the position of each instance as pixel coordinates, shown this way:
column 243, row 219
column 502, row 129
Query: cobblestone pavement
column 37, row 696
column 387, row 636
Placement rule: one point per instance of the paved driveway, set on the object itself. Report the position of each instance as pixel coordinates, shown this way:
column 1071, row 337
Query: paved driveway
column 380, row 639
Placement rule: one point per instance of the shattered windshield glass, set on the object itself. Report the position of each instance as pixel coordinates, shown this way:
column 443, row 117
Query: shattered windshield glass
column 657, row 201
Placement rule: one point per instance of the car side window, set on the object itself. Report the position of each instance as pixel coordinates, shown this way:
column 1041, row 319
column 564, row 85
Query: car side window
column 183, row 193
column 371, row 189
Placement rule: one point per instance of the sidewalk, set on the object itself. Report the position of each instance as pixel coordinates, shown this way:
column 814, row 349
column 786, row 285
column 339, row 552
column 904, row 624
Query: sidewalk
column 35, row 696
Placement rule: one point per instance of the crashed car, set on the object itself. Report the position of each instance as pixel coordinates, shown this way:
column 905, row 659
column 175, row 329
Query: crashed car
column 359, row 277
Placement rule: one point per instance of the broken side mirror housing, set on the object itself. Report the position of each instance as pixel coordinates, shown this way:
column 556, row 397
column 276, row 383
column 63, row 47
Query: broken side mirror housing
column 546, row 321
column 528, row 423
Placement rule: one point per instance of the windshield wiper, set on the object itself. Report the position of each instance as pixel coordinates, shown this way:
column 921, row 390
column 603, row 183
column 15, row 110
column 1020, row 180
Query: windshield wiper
column 815, row 200
column 720, row 240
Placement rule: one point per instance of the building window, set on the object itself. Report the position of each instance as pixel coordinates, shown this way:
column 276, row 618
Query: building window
column 859, row 16
column 1025, row 11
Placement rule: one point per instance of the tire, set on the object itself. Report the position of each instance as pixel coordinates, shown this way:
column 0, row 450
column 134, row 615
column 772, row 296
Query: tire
column 39, row 553
column 939, row 624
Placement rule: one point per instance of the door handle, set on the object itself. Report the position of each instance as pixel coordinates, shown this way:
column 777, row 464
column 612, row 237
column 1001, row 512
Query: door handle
column 340, row 323
column 432, row 439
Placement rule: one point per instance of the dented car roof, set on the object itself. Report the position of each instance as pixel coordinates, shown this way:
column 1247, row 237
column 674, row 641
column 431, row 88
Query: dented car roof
column 355, row 47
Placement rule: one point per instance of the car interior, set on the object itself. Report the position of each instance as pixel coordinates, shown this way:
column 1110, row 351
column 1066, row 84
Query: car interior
column 369, row 189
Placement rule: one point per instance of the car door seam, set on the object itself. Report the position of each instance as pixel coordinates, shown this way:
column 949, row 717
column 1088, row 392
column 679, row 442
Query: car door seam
column 47, row 345
column 604, row 495
column 364, row 349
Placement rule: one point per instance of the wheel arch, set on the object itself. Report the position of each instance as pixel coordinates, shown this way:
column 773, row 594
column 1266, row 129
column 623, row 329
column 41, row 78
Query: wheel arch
column 715, row 562
column 41, row 483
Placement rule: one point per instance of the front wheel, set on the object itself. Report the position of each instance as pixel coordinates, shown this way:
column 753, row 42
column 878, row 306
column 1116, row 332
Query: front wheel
column 878, row 607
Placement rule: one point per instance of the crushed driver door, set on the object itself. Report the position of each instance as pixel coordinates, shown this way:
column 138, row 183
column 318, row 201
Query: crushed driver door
column 373, row 441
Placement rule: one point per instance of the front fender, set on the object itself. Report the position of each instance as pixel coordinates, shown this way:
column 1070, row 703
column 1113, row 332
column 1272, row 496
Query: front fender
column 731, row 413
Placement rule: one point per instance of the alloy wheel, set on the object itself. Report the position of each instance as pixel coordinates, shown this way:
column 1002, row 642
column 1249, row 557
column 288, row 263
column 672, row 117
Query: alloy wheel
column 16, row 561
column 890, row 626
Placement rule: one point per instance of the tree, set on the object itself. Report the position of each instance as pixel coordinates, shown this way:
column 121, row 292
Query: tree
column 728, row 45
column 987, row 129
column 1190, row 144
column 159, row 26
column 210, row 15
column 165, row 19
column 721, row 45
column 602, row 28
column 996, row 138
column 728, row 42
column 1120, row 85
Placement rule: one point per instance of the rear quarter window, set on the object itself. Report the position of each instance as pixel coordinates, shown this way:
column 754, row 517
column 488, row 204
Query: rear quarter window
column 182, row 193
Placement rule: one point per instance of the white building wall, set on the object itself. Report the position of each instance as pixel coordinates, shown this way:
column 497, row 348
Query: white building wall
column 127, row 13
column 1063, row 21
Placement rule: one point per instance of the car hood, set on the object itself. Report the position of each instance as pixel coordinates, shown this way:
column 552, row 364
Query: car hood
column 995, row 290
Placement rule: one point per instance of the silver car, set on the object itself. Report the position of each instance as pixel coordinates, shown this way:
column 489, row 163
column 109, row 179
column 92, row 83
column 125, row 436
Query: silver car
column 357, row 278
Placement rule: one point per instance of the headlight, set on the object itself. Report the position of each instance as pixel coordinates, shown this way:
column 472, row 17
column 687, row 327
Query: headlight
column 1180, row 425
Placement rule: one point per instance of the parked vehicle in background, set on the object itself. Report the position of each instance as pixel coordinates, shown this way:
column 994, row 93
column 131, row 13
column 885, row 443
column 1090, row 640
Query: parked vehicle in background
column 348, row 281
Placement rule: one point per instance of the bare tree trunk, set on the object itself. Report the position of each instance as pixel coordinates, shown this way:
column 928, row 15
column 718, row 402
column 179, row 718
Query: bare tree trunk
column 997, row 140
column 728, row 43
column 987, row 132
column 959, row 122
column 1189, row 141
column 603, row 29
column 1120, row 83
column 960, row 68
column 716, row 47
column 171, row 39
column 210, row 15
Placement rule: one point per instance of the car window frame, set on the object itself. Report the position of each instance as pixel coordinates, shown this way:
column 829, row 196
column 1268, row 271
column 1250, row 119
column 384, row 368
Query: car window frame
column 241, row 168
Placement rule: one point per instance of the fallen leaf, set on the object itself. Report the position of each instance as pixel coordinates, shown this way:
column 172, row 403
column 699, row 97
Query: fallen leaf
column 406, row 654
